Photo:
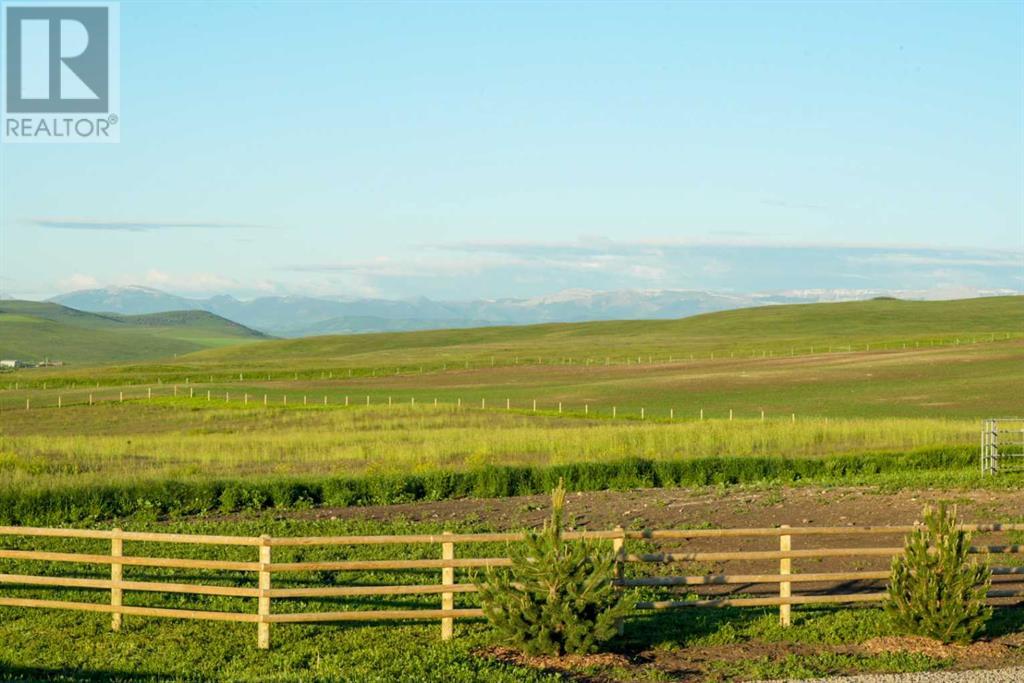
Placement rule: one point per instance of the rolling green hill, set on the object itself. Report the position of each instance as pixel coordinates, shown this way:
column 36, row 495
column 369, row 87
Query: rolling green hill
column 881, row 358
column 34, row 331
column 779, row 328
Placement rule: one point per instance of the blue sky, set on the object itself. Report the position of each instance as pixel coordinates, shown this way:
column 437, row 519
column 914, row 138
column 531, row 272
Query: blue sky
column 512, row 149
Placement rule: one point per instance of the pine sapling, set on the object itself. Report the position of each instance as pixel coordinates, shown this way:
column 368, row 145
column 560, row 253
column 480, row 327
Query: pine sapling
column 936, row 589
column 558, row 597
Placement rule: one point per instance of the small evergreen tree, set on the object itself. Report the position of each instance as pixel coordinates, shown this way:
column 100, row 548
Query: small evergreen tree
column 935, row 589
column 558, row 597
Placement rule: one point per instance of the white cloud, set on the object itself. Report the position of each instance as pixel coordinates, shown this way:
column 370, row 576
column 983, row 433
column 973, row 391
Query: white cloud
column 132, row 226
column 985, row 260
column 78, row 281
column 188, row 282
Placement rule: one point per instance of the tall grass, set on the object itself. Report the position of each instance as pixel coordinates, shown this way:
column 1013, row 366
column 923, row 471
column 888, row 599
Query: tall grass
column 171, row 459
column 138, row 443
column 96, row 501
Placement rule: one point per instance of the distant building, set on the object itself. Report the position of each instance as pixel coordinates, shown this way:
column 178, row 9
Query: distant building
column 13, row 364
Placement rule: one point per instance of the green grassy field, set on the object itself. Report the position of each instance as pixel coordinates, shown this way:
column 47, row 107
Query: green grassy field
column 905, row 371
column 261, row 428
column 779, row 329
column 181, row 457
column 168, row 438
column 882, row 393
column 35, row 331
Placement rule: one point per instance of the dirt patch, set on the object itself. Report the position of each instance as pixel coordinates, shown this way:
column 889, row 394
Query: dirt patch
column 970, row 653
column 704, row 663
column 694, row 508
column 698, row 663
column 565, row 664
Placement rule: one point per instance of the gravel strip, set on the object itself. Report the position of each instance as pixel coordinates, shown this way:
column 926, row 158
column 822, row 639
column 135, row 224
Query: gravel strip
column 1015, row 675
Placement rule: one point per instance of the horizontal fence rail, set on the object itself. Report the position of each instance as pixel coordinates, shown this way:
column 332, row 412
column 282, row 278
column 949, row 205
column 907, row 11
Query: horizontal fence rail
column 829, row 587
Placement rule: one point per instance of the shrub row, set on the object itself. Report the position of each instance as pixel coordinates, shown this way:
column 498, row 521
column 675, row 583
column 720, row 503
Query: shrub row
column 157, row 499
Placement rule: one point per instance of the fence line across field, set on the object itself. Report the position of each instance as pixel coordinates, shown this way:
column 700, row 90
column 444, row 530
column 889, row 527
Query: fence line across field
column 528, row 406
column 532, row 360
column 264, row 567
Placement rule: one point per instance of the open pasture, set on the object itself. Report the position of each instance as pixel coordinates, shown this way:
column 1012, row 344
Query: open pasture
column 756, row 332
column 169, row 439
column 319, row 436
column 238, row 438
column 882, row 359
column 966, row 381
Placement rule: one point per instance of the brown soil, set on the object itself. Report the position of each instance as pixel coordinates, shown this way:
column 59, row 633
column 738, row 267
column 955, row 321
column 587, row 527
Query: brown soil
column 970, row 655
column 735, row 507
column 692, row 664
column 719, row 508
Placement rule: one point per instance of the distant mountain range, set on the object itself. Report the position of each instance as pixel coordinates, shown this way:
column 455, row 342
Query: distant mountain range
column 299, row 316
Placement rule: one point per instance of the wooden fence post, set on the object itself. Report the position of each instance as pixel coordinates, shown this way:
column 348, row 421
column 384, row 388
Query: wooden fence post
column 785, row 568
column 447, row 579
column 263, row 602
column 619, row 548
column 116, row 576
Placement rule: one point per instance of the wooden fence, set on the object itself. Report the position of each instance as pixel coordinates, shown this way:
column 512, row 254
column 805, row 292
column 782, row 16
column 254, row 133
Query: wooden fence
column 822, row 587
